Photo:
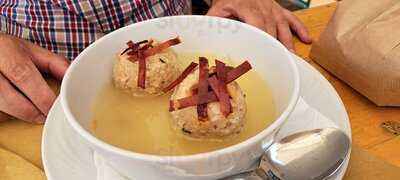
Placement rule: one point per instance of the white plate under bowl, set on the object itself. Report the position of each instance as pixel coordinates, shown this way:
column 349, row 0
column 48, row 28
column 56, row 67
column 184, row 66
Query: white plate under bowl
column 66, row 157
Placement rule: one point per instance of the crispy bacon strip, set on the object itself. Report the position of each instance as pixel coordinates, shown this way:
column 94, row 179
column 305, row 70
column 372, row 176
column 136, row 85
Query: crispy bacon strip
column 136, row 47
column 130, row 44
column 202, row 89
column 133, row 58
column 190, row 101
column 214, row 84
column 160, row 47
column 134, row 53
column 238, row 71
column 184, row 74
column 123, row 52
column 142, row 71
column 147, row 45
column 233, row 74
column 218, row 85
column 222, row 70
column 228, row 68
column 133, row 46
column 140, row 54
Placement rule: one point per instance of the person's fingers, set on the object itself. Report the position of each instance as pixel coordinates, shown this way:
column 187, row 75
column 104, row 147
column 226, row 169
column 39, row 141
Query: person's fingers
column 17, row 67
column 285, row 36
column 267, row 14
column 47, row 61
column 4, row 117
column 258, row 18
column 270, row 27
column 297, row 27
column 254, row 15
column 259, row 23
column 15, row 104
column 245, row 14
column 252, row 18
column 219, row 11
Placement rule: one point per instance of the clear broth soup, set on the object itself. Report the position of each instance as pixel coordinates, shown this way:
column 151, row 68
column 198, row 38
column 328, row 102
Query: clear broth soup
column 143, row 124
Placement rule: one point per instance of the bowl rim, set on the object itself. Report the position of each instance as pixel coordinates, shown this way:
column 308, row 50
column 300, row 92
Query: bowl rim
column 179, row 158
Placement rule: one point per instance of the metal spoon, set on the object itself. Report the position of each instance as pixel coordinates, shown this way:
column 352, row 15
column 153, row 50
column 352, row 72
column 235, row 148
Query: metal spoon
column 309, row 155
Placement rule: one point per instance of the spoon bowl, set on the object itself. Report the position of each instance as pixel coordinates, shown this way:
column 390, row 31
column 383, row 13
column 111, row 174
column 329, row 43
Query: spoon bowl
column 308, row 155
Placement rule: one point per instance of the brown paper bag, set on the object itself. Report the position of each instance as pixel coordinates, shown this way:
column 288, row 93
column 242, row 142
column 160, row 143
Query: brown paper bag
column 361, row 46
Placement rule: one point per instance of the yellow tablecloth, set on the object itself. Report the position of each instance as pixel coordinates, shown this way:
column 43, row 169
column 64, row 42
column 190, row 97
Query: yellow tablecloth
column 23, row 139
column 13, row 167
column 20, row 148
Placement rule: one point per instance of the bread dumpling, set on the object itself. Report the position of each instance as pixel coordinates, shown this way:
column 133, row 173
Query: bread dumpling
column 217, row 124
column 160, row 70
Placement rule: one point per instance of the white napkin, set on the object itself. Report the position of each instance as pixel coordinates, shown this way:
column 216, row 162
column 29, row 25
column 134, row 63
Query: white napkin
column 302, row 118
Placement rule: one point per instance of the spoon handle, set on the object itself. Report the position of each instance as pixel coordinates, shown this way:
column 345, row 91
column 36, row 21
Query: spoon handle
column 257, row 174
column 249, row 175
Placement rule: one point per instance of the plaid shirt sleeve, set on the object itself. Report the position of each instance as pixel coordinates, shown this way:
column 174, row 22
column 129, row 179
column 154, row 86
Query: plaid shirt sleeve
column 67, row 27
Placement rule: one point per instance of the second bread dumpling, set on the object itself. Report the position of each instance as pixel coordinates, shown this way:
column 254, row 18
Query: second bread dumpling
column 217, row 124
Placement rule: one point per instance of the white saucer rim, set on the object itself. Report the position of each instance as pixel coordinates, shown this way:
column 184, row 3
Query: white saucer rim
column 342, row 170
column 328, row 84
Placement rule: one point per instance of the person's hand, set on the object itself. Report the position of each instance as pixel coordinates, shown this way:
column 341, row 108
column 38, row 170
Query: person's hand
column 24, row 93
column 266, row 15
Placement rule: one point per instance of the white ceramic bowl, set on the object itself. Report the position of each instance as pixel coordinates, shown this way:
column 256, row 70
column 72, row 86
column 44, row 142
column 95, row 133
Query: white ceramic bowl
column 92, row 69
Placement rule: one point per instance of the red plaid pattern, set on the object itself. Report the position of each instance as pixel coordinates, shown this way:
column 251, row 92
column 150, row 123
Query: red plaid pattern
column 67, row 27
